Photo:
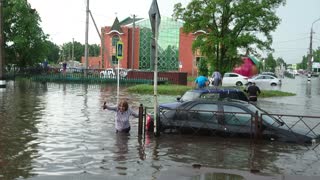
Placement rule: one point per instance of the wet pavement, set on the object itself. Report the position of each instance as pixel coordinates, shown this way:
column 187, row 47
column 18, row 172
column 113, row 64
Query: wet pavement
column 59, row 131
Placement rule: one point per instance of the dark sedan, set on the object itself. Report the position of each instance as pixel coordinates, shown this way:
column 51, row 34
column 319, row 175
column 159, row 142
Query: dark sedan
column 228, row 118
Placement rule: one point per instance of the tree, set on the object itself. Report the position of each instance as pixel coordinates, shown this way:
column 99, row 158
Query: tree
column 25, row 42
column 94, row 50
column 203, row 67
column 280, row 62
column 304, row 63
column 270, row 63
column 53, row 51
column 78, row 50
column 229, row 26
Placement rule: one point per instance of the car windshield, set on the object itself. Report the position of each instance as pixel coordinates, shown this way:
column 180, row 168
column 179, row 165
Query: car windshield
column 189, row 96
column 266, row 118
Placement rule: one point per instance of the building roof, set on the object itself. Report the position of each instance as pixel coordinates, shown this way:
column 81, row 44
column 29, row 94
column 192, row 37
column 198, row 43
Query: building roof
column 116, row 27
column 254, row 60
column 128, row 21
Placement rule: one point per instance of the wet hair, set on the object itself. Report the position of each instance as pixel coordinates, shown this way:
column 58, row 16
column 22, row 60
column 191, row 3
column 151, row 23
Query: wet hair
column 123, row 103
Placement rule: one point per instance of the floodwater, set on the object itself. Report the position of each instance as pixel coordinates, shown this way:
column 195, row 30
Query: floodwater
column 59, row 131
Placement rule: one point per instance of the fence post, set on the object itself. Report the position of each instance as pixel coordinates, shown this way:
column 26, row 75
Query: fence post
column 140, row 122
column 157, row 123
column 256, row 123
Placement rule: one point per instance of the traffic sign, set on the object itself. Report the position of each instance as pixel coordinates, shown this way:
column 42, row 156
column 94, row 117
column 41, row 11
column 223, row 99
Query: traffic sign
column 119, row 50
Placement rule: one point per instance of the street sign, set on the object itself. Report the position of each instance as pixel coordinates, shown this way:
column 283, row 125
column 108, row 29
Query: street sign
column 154, row 16
column 119, row 50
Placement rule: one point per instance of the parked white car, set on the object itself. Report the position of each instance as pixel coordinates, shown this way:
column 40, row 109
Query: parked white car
column 234, row 79
column 263, row 79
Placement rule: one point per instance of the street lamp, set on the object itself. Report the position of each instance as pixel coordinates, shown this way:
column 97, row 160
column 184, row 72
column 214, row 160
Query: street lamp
column 310, row 51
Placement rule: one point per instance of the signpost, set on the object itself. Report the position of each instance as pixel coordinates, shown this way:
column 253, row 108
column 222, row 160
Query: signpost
column 2, row 75
column 154, row 16
column 119, row 53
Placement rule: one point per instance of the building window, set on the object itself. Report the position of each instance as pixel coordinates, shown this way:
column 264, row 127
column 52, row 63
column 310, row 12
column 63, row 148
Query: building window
column 198, row 59
column 114, row 60
column 115, row 39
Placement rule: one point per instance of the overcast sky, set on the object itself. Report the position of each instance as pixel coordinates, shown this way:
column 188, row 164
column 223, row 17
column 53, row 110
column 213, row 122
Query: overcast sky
column 65, row 19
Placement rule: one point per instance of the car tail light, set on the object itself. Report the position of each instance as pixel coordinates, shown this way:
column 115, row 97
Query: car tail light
column 149, row 123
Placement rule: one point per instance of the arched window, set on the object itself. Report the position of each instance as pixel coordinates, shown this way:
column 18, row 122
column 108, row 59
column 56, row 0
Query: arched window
column 115, row 39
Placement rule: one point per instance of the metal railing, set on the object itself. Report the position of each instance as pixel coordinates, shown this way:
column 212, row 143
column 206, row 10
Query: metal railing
column 233, row 124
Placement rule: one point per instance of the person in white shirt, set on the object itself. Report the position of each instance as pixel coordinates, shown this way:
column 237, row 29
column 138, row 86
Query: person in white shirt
column 122, row 116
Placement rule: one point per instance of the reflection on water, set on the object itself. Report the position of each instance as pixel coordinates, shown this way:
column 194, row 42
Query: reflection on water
column 217, row 176
column 306, row 101
column 49, row 130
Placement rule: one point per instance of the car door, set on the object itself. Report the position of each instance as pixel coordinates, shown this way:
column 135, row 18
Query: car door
column 237, row 120
column 227, row 79
column 203, row 115
column 260, row 80
column 231, row 80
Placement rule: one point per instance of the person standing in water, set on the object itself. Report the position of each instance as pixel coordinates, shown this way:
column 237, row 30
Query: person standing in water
column 122, row 116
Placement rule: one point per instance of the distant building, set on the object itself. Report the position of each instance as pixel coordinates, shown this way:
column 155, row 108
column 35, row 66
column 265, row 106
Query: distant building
column 174, row 52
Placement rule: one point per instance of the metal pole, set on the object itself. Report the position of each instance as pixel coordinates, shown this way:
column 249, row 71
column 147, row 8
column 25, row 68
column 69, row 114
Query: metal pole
column 155, row 79
column 133, row 29
column 140, row 121
column 86, row 39
column 72, row 58
column 2, row 76
column 102, row 48
column 310, row 52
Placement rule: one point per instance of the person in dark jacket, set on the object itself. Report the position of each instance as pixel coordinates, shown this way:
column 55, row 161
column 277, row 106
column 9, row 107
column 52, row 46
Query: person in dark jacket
column 253, row 92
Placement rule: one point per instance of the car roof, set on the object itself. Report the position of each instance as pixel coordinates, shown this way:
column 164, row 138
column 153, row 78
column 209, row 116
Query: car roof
column 227, row 101
column 215, row 90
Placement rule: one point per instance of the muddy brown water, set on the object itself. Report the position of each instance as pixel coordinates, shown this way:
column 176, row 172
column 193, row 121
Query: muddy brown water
column 59, row 131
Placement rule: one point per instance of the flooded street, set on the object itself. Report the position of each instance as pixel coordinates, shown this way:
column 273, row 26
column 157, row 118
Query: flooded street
column 59, row 131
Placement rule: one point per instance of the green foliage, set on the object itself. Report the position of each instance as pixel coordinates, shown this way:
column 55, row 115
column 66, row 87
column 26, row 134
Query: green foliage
column 203, row 67
column 229, row 25
column 78, row 50
column 25, row 42
column 274, row 93
column 304, row 63
column 52, row 52
column 179, row 90
column 162, row 89
column 270, row 63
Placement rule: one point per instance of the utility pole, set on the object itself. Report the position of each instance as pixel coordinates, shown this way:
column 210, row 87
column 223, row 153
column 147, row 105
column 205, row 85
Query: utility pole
column 310, row 57
column 72, row 58
column 2, row 75
column 133, row 41
column 310, row 52
column 102, row 47
column 86, row 39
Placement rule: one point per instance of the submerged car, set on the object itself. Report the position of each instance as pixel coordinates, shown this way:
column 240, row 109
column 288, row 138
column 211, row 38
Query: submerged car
column 213, row 93
column 208, row 94
column 229, row 118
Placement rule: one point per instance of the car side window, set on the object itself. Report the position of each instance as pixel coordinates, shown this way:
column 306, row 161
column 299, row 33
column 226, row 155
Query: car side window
column 236, row 116
column 205, row 112
column 210, row 96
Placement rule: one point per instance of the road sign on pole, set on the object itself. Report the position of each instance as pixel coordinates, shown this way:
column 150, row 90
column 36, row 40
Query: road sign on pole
column 119, row 50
